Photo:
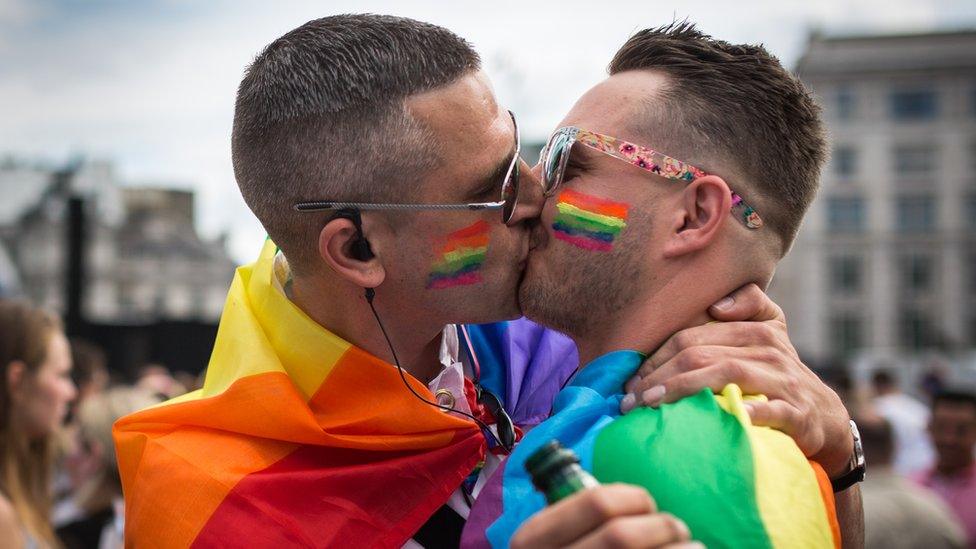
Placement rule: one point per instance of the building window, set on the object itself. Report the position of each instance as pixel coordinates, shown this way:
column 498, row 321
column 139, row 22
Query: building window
column 846, row 334
column 914, row 105
column 845, row 274
column 845, row 161
column 915, row 214
column 914, row 160
column 915, row 329
column 845, row 103
column 845, row 215
column 917, row 272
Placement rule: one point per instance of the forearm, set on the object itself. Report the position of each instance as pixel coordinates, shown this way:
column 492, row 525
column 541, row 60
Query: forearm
column 850, row 516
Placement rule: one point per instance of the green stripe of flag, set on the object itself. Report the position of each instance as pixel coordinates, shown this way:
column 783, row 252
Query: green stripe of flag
column 587, row 225
column 447, row 267
column 691, row 443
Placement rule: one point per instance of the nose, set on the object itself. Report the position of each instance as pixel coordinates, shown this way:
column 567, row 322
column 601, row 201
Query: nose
column 530, row 197
column 72, row 392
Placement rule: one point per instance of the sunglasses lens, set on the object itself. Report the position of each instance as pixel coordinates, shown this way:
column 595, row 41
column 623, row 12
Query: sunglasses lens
column 503, row 423
column 552, row 167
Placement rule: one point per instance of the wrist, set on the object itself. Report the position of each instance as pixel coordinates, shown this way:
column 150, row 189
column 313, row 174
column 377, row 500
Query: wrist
column 837, row 454
column 856, row 466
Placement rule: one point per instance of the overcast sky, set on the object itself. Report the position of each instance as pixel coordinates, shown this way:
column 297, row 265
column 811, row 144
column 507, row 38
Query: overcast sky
column 150, row 84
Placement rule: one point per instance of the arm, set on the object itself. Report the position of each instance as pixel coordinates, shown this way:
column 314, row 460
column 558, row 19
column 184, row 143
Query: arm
column 850, row 516
column 751, row 348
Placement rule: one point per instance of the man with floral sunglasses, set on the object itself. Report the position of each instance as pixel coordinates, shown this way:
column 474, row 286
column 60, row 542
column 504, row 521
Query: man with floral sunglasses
column 632, row 247
column 337, row 407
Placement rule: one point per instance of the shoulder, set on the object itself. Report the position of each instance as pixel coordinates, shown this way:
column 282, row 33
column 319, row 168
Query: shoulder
column 10, row 528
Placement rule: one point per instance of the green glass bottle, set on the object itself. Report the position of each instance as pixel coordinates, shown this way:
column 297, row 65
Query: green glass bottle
column 556, row 472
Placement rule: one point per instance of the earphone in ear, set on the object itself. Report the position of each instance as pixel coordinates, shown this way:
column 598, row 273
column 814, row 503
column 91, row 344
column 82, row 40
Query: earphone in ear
column 359, row 248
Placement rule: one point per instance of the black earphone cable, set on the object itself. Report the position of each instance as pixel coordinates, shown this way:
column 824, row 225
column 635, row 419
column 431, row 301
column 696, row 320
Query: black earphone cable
column 370, row 294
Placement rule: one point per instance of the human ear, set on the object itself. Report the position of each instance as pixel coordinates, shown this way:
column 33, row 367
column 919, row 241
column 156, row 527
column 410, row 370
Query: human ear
column 704, row 207
column 346, row 251
column 15, row 376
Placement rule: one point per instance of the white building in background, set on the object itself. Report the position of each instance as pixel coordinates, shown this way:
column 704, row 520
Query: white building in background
column 144, row 259
column 886, row 259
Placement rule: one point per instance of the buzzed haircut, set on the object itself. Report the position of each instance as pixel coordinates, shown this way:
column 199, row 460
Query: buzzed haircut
column 736, row 105
column 883, row 380
column 878, row 440
column 955, row 398
column 320, row 115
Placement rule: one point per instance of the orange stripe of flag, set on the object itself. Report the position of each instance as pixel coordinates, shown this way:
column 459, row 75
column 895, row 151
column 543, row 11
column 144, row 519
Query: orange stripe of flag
column 594, row 204
column 827, row 493
column 472, row 230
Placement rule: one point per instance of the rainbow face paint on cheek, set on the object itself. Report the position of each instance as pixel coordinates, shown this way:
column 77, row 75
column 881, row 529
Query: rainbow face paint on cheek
column 462, row 254
column 588, row 222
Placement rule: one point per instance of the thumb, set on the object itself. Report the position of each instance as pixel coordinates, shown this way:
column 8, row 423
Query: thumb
column 746, row 303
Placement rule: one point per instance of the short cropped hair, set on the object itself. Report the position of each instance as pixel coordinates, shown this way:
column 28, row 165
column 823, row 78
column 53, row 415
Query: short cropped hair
column 878, row 440
column 320, row 115
column 955, row 397
column 735, row 104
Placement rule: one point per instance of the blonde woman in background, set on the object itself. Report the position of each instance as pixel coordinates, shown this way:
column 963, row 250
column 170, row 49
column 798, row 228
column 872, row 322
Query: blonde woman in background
column 35, row 389
column 98, row 497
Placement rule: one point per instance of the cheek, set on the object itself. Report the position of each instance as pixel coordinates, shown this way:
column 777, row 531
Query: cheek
column 56, row 392
column 459, row 257
column 588, row 222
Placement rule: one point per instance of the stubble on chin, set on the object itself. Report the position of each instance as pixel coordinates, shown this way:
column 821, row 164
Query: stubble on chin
column 589, row 291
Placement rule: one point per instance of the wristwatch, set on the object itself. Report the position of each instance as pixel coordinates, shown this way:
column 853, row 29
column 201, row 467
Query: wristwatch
column 856, row 472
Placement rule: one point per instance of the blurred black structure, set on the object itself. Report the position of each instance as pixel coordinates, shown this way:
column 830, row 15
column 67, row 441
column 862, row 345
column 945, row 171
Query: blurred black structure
column 180, row 345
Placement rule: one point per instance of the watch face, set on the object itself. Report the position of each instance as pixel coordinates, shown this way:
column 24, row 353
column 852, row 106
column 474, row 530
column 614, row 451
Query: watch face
column 858, row 457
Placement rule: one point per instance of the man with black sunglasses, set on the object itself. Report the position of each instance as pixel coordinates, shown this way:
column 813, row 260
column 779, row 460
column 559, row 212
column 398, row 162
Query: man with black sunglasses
column 338, row 409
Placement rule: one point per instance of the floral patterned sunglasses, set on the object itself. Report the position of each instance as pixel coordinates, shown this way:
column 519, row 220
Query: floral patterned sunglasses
column 555, row 157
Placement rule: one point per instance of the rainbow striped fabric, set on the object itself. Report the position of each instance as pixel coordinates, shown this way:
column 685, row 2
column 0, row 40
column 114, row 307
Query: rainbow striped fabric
column 588, row 222
column 297, row 438
column 461, row 256
column 734, row 484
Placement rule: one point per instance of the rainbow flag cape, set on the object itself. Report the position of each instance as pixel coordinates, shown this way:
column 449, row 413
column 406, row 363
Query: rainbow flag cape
column 524, row 364
column 297, row 438
column 734, row 484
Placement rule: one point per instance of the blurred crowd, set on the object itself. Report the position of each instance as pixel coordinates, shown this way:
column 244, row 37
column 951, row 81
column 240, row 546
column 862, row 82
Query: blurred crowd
column 59, row 483
column 920, row 488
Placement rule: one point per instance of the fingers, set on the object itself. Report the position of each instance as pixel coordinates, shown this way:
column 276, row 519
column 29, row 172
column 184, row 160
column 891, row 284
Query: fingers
column 657, row 530
column 715, row 378
column 771, row 335
column 730, row 364
column 778, row 414
column 746, row 303
column 573, row 518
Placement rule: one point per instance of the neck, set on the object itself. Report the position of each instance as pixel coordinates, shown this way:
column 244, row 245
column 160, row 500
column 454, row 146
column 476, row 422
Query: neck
column 649, row 321
column 343, row 310
column 951, row 470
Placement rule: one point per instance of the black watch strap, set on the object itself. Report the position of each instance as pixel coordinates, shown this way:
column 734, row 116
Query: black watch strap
column 857, row 470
